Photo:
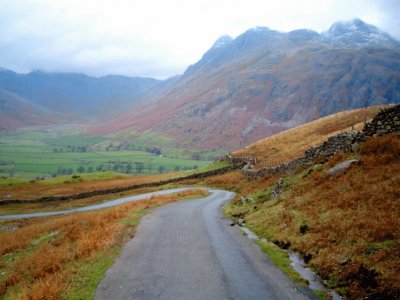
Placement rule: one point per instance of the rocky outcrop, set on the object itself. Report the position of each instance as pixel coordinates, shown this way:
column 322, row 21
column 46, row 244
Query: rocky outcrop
column 278, row 188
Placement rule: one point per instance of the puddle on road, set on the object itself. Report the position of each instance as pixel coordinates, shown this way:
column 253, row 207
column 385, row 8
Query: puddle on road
column 299, row 266
column 314, row 282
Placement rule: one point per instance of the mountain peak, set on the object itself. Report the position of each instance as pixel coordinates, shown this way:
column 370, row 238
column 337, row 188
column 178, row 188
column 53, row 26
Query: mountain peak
column 259, row 29
column 222, row 41
column 357, row 33
column 356, row 24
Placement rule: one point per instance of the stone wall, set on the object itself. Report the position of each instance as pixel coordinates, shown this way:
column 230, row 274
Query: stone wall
column 240, row 160
column 385, row 122
column 238, row 165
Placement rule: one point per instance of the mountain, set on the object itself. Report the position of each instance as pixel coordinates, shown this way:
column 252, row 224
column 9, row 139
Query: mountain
column 356, row 33
column 78, row 95
column 17, row 112
column 265, row 81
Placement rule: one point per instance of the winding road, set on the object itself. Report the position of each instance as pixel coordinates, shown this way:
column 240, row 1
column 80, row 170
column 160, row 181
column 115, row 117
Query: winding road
column 188, row 250
column 93, row 207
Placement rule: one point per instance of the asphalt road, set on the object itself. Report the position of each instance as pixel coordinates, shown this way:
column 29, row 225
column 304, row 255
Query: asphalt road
column 187, row 250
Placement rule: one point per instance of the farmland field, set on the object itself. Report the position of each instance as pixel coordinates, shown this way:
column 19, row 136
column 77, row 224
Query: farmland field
column 60, row 152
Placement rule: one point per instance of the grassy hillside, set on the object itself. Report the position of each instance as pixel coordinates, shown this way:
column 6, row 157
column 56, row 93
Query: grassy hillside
column 346, row 225
column 292, row 143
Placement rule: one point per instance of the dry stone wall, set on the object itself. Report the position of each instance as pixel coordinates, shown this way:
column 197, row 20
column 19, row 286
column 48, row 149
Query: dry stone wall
column 238, row 165
column 385, row 122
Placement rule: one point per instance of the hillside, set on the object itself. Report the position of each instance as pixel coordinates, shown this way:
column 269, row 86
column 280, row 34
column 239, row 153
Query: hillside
column 341, row 212
column 16, row 112
column 290, row 144
column 265, row 81
column 77, row 95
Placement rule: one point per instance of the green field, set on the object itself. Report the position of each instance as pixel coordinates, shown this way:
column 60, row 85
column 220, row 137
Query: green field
column 61, row 152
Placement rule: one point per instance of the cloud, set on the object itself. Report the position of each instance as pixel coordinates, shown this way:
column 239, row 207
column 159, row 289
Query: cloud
column 154, row 38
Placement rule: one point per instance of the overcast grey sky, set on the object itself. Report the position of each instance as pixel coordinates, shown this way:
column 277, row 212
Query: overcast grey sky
column 156, row 38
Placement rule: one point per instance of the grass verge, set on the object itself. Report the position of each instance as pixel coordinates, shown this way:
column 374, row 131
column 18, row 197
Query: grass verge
column 65, row 257
column 346, row 225
column 281, row 259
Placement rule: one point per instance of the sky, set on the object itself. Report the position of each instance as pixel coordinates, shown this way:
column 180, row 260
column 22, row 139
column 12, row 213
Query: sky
column 156, row 38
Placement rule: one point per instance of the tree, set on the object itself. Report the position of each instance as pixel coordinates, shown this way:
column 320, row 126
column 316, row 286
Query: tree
column 195, row 156
column 139, row 166
column 129, row 168
column 59, row 171
column 161, row 169
column 177, row 168
column 81, row 169
column 90, row 169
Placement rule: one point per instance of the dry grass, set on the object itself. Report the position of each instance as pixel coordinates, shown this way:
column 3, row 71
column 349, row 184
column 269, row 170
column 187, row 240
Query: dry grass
column 26, row 191
column 351, row 221
column 239, row 183
column 72, row 203
column 292, row 143
column 35, row 256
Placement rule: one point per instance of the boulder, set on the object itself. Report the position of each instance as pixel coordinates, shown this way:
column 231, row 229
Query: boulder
column 341, row 167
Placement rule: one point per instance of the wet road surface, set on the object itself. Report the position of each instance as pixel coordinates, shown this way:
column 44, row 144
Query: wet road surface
column 187, row 250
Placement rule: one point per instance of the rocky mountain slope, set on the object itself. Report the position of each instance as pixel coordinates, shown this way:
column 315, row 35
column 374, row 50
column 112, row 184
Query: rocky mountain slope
column 77, row 95
column 265, row 81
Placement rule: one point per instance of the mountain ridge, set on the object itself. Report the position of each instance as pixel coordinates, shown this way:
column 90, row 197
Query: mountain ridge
column 76, row 94
column 266, row 81
column 241, row 90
